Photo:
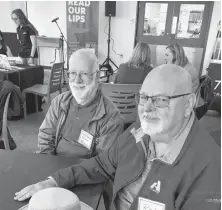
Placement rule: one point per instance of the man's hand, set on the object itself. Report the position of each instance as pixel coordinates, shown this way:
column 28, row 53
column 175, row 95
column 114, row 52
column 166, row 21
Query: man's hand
column 30, row 190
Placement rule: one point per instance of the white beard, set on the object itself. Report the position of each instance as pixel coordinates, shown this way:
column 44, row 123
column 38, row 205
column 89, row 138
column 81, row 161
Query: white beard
column 83, row 93
column 152, row 129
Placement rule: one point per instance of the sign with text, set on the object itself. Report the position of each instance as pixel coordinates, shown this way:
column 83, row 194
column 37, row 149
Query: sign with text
column 82, row 25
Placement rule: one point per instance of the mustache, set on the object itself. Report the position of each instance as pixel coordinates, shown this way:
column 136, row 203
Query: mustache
column 149, row 116
column 79, row 85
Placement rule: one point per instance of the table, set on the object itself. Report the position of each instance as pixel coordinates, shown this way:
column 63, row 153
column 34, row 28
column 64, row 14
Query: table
column 25, row 76
column 19, row 169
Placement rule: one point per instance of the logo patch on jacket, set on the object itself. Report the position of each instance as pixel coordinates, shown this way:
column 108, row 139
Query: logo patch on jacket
column 156, row 186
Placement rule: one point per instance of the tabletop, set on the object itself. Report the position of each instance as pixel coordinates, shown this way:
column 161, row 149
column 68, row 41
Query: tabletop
column 19, row 169
column 25, row 76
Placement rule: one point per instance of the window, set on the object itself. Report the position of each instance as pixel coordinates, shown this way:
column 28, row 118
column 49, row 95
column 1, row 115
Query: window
column 155, row 19
column 190, row 20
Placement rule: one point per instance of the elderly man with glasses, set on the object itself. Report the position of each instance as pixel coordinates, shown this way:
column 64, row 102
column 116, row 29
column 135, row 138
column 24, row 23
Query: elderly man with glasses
column 165, row 161
column 82, row 122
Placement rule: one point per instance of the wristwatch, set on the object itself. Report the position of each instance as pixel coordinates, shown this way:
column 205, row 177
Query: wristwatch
column 31, row 57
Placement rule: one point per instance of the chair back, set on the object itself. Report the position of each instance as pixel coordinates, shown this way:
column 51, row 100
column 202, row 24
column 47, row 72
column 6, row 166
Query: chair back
column 5, row 124
column 123, row 96
column 55, row 77
column 205, row 90
column 204, row 96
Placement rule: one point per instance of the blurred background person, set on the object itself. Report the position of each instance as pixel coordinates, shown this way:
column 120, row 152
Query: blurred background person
column 4, row 49
column 27, row 37
column 174, row 54
column 138, row 66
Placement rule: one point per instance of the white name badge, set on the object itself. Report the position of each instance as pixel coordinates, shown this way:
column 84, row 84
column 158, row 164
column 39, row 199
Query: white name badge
column 146, row 204
column 85, row 139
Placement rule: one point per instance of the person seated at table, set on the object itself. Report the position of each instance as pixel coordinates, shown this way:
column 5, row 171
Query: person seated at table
column 165, row 160
column 138, row 66
column 174, row 54
column 81, row 122
column 4, row 49
column 27, row 37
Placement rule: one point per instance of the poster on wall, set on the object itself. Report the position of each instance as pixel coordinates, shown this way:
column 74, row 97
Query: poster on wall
column 82, row 25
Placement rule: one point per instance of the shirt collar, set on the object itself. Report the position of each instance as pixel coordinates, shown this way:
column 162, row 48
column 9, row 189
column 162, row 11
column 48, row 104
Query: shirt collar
column 177, row 143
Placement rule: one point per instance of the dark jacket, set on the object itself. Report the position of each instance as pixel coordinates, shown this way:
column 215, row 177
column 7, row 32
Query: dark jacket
column 106, row 124
column 192, row 182
column 131, row 75
column 15, row 103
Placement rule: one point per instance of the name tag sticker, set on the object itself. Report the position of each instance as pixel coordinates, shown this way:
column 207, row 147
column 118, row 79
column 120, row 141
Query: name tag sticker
column 85, row 139
column 146, row 204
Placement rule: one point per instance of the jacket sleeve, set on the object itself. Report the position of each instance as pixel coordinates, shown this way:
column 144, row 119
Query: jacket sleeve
column 110, row 130
column 91, row 171
column 205, row 191
column 47, row 131
column 119, row 72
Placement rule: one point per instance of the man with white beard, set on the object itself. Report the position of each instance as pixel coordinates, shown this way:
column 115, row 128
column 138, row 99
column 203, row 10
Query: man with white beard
column 164, row 162
column 82, row 122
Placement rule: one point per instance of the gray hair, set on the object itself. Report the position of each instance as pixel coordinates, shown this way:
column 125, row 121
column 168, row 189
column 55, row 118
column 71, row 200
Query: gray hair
column 87, row 53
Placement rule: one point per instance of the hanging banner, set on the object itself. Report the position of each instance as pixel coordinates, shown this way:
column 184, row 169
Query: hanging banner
column 82, row 25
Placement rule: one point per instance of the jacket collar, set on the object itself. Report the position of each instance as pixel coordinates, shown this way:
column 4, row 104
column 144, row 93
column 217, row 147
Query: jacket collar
column 190, row 138
column 179, row 145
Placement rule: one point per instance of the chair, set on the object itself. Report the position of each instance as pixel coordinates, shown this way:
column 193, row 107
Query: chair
column 123, row 96
column 4, row 136
column 204, row 96
column 46, row 89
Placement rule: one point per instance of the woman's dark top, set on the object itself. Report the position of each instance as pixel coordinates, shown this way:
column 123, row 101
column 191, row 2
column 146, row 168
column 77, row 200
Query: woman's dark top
column 24, row 34
column 3, row 51
column 131, row 75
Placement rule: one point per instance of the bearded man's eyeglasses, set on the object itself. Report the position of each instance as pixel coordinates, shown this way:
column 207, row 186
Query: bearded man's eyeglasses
column 73, row 74
column 157, row 101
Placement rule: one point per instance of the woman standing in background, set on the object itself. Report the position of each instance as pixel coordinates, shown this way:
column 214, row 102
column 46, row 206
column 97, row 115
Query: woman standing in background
column 27, row 37
column 4, row 49
column 138, row 66
column 175, row 54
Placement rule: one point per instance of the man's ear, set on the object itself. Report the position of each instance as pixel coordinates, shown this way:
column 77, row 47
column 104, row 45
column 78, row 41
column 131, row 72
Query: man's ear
column 97, row 75
column 190, row 104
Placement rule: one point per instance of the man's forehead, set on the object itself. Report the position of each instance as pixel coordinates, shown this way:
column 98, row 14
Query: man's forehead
column 158, row 88
column 81, row 63
column 165, row 80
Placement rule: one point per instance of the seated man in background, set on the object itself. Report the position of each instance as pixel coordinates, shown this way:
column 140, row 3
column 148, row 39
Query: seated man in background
column 83, row 122
column 166, row 161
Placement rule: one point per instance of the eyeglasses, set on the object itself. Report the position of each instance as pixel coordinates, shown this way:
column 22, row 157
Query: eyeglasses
column 157, row 101
column 73, row 74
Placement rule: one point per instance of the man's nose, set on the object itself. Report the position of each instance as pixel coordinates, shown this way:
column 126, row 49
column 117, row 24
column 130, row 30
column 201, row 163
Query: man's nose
column 148, row 106
column 78, row 79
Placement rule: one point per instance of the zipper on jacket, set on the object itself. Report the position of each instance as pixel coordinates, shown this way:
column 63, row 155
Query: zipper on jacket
column 127, row 183
column 145, row 182
column 60, row 126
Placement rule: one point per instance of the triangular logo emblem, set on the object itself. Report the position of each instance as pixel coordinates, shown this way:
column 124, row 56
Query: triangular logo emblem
column 156, row 186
